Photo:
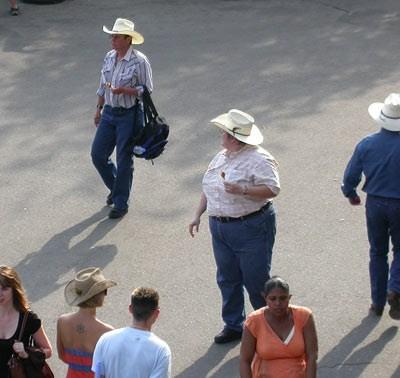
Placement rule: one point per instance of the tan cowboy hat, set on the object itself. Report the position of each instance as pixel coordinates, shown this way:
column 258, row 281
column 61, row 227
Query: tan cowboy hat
column 125, row 27
column 387, row 114
column 86, row 284
column 240, row 125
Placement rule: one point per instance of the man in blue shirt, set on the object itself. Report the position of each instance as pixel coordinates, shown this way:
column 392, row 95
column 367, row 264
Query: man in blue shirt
column 377, row 156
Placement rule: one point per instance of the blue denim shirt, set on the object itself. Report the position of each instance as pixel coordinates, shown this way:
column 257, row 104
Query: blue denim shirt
column 377, row 156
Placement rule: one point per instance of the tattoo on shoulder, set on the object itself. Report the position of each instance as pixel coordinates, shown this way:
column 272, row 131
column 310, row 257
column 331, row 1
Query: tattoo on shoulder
column 80, row 328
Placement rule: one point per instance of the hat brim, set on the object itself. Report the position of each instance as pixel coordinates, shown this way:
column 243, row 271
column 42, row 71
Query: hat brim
column 73, row 299
column 137, row 38
column 375, row 111
column 224, row 122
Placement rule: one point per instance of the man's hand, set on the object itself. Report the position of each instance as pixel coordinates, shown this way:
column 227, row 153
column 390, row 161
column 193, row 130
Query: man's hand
column 118, row 90
column 233, row 188
column 194, row 226
column 97, row 117
column 355, row 201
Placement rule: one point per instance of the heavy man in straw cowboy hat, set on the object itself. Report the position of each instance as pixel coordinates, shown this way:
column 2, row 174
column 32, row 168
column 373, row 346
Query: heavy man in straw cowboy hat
column 238, row 188
column 119, row 117
column 377, row 156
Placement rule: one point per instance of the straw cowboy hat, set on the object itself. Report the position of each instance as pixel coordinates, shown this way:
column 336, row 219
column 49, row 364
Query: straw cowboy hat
column 387, row 114
column 240, row 125
column 125, row 27
column 86, row 284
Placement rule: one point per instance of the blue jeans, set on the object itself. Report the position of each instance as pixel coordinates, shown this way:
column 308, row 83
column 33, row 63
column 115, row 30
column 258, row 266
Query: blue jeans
column 383, row 223
column 117, row 128
column 243, row 252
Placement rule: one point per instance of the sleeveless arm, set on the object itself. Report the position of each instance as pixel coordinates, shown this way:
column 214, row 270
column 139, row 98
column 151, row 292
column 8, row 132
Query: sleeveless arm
column 247, row 351
column 311, row 347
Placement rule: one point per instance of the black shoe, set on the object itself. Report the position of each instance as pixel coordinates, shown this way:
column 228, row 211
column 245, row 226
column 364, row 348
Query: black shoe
column 109, row 200
column 117, row 213
column 378, row 311
column 227, row 335
column 14, row 11
column 394, row 302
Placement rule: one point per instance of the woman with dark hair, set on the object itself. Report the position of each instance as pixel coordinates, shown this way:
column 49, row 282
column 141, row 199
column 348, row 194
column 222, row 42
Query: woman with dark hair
column 279, row 340
column 13, row 307
column 78, row 332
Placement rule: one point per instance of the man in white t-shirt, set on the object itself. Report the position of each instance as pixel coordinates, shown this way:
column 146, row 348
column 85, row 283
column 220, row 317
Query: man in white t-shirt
column 135, row 351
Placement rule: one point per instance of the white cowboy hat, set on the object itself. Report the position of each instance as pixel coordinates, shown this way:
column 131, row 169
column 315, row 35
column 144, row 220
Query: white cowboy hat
column 387, row 114
column 125, row 27
column 240, row 125
column 86, row 284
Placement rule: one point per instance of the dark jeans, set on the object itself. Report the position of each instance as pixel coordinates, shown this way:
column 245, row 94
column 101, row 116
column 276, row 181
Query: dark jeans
column 117, row 129
column 383, row 223
column 243, row 252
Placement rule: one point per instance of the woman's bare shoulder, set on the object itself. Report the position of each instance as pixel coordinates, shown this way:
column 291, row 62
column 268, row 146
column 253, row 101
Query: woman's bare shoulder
column 65, row 318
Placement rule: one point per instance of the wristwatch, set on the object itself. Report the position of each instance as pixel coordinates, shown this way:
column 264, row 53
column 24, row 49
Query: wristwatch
column 98, row 106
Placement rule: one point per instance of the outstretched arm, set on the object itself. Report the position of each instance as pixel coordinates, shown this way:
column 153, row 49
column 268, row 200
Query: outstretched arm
column 194, row 225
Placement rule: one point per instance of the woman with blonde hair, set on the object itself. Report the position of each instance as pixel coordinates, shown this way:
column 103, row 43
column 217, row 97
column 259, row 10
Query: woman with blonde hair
column 14, row 307
column 78, row 333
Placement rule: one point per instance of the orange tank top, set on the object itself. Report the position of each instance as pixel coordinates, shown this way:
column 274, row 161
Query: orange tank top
column 273, row 358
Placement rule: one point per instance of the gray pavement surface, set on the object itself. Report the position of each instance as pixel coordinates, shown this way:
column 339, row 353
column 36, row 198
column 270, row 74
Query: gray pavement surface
column 306, row 69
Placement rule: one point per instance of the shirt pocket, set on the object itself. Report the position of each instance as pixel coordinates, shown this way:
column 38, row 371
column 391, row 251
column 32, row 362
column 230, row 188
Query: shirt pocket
column 127, row 77
column 106, row 73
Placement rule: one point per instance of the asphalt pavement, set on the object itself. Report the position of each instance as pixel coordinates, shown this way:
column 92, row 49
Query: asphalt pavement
column 307, row 70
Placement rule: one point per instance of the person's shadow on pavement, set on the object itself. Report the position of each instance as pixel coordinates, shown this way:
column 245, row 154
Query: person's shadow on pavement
column 42, row 272
column 205, row 364
column 344, row 361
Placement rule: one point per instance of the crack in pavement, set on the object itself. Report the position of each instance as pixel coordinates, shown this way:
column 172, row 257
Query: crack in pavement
column 330, row 6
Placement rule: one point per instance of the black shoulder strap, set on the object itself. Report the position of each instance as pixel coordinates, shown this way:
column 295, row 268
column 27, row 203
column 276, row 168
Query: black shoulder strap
column 148, row 103
column 21, row 331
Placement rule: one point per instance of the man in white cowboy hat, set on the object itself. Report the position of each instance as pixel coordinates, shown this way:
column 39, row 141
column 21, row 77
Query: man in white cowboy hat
column 377, row 156
column 134, row 351
column 119, row 117
column 238, row 188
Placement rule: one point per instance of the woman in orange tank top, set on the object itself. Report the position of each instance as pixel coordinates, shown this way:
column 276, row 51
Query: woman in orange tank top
column 279, row 340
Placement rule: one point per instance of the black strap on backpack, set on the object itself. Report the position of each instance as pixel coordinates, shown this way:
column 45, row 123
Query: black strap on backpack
column 148, row 105
column 152, row 139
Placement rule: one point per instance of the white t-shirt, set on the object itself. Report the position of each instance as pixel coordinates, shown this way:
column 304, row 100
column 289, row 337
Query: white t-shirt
column 131, row 353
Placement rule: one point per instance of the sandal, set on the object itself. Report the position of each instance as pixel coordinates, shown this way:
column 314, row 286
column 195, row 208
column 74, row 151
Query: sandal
column 14, row 11
column 394, row 302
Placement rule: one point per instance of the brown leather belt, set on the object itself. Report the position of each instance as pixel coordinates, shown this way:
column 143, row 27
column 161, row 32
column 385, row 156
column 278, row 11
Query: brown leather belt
column 243, row 217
